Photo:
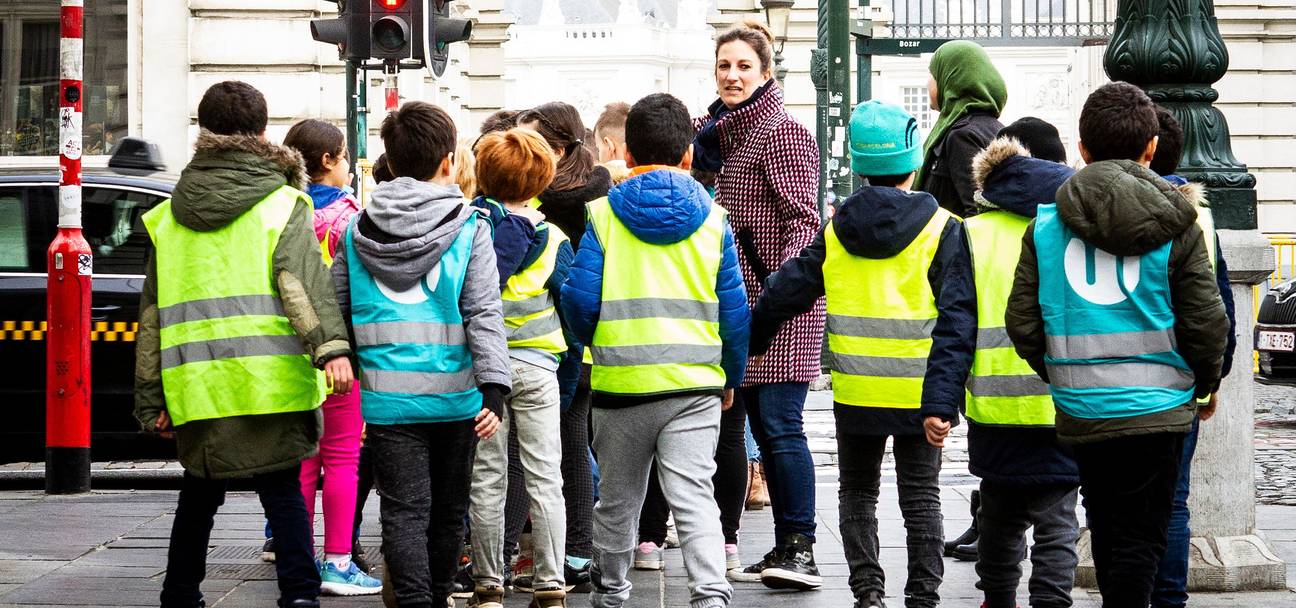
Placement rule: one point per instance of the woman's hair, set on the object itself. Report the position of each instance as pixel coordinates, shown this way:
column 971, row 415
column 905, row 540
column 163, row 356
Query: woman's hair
column 315, row 138
column 501, row 120
column 465, row 169
column 561, row 126
column 756, row 35
column 514, row 165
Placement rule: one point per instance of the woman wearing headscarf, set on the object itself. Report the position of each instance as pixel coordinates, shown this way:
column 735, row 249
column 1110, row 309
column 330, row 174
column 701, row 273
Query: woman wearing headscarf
column 970, row 94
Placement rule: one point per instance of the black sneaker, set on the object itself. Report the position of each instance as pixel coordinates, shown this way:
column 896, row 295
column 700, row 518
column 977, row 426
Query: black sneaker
column 872, row 599
column 268, row 550
column 578, row 580
column 752, row 573
column 796, row 569
column 358, row 557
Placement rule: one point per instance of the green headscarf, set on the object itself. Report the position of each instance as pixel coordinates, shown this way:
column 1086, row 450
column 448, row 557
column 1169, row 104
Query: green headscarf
column 967, row 81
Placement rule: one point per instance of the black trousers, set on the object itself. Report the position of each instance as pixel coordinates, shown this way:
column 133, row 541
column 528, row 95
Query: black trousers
column 281, row 497
column 1128, row 484
column 423, row 473
column 364, row 484
column 730, row 481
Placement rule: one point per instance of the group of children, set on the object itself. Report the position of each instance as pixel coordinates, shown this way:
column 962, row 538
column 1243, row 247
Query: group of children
column 1075, row 321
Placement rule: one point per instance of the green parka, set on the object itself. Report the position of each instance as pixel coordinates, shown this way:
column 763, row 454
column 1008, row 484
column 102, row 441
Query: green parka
column 228, row 175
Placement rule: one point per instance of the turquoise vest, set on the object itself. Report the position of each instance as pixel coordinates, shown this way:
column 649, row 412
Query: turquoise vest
column 1109, row 327
column 415, row 365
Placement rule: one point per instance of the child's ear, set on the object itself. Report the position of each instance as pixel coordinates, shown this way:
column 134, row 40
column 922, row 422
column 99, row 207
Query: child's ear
column 686, row 163
column 630, row 161
column 447, row 167
column 1150, row 151
column 1084, row 154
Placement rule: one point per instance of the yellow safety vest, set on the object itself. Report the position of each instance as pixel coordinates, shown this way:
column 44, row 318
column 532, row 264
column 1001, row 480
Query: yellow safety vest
column 530, row 320
column 1002, row 388
column 228, row 349
column 881, row 313
column 659, row 322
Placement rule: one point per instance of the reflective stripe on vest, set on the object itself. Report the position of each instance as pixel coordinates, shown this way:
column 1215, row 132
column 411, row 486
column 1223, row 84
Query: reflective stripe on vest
column 879, row 328
column 228, row 348
column 1002, row 388
column 530, row 320
column 1109, row 327
column 415, row 365
column 659, row 322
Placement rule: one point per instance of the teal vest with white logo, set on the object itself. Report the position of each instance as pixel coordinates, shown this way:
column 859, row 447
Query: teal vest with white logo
column 1109, row 327
column 415, row 365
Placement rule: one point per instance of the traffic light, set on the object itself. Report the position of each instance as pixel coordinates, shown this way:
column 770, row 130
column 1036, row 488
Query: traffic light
column 390, row 34
column 441, row 30
column 349, row 31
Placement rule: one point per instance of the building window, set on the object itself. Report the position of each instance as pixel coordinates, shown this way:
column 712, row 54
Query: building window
column 917, row 105
column 29, row 77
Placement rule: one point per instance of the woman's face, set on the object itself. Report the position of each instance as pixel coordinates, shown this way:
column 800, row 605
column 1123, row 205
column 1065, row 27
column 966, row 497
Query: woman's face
column 738, row 72
column 933, row 93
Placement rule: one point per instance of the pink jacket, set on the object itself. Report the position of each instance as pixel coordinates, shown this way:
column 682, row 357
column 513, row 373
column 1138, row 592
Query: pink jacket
column 331, row 221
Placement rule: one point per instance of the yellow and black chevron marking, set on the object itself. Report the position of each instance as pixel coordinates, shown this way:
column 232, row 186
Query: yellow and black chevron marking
column 103, row 331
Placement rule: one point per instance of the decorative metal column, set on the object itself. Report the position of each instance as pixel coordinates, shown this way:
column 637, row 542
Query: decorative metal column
column 1173, row 50
column 830, row 72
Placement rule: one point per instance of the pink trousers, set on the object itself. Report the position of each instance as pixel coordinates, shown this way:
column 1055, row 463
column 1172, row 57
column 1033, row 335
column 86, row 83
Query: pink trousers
column 339, row 459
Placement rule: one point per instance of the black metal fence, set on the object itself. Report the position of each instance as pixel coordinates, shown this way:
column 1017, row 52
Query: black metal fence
column 1004, row 22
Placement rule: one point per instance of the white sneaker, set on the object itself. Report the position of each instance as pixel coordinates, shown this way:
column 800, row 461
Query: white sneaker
column 648, row 557
column 732, row 562
column 672, row 537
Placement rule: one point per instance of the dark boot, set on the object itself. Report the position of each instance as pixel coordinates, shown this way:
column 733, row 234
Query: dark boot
column 966, row 553
column 969, row 536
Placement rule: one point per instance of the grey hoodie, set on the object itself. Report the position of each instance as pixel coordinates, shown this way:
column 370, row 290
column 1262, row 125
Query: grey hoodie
column 402, row 233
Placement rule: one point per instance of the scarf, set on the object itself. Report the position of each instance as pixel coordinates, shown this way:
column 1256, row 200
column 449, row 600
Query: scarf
column 967, row 82
column 707, row 153
column 324, row 195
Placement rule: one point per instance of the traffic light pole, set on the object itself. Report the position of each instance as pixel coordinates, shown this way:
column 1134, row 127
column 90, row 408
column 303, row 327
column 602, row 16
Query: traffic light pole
column 357, row 123
column 69, row 266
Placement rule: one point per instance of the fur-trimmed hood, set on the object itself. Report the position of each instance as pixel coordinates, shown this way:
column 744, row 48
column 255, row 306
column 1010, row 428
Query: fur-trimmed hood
column 228, row 175
column 1007, row 177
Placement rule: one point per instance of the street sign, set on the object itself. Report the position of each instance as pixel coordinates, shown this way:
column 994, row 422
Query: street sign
column 896, row 46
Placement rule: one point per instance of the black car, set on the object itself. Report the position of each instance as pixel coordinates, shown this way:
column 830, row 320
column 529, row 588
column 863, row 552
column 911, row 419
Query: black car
column 114, row 200
column 1275, row 335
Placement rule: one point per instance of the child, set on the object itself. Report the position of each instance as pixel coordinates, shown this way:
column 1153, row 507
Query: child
column 1127, row 326
column 900, row 343
column 416, row 278
column 1027, row 477
column 656, row 293
column 234, row 257
column 324, row 149
column 609, row 135
column 512, row 168
column 1171, row 587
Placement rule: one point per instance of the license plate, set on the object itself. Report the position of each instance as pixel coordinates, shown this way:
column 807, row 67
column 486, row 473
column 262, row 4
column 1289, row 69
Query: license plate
column 1276, row 340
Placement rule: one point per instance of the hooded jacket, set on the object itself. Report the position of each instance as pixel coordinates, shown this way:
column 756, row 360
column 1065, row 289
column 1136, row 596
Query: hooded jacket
column 401, row 235
column 879, row 223
column 566, row 208
column 1008, row 179
column 1123, row 208
column 228, row 175
column 661, row 206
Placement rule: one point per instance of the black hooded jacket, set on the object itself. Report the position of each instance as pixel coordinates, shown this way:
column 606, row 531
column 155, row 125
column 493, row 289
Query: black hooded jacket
column 880, row 223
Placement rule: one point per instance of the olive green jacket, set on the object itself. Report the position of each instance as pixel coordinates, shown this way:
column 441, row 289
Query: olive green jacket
column 228, row 175
column 1126, row 209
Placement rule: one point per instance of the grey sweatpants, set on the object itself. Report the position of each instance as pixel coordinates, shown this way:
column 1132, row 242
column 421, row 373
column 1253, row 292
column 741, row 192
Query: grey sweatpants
column 533, row 411
column 1006, row 512
column 681, row 433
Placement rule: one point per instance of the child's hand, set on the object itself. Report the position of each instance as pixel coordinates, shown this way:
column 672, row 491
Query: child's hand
column 937, row 430
column 163, row 425
column 487, row 424
column 529, row 213
column 728, row 400
column 338, row 373
column 1207, row 410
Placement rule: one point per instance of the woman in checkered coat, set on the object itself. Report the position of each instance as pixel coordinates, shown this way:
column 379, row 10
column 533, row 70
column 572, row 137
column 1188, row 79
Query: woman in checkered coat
column 767, row 166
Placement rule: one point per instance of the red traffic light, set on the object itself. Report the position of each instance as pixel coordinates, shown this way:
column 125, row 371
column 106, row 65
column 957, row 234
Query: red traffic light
column 391, row 5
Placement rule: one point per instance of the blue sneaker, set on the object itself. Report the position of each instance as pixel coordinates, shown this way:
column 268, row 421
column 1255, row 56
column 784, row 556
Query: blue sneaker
column 349, row 582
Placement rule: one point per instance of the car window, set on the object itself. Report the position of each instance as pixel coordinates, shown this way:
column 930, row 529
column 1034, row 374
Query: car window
column 23, row 231
column 113, row 224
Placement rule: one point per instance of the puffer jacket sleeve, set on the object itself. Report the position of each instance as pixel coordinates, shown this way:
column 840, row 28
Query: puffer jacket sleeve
column 1201, row 325
column 483, row 313
column 149, row 398
column 1230, row 309
column 306, row 288
column 954, row 337
column 582, row 295
column 793, row 172
column 1024, row 318
column 735, row 317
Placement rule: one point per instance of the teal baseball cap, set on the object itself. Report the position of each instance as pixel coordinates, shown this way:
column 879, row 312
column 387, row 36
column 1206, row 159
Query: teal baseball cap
column 884, row 140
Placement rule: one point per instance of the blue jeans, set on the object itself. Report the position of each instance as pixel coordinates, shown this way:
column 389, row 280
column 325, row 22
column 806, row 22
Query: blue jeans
column 1171, row 587
column 775, row 414
column 753, row 450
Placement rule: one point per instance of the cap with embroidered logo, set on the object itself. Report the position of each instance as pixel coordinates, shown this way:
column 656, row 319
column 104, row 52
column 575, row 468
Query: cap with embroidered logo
column 884, row 140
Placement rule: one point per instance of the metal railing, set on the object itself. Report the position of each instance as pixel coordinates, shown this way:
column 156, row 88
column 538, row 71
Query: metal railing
column 1284, row 246
column 1004, row 22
